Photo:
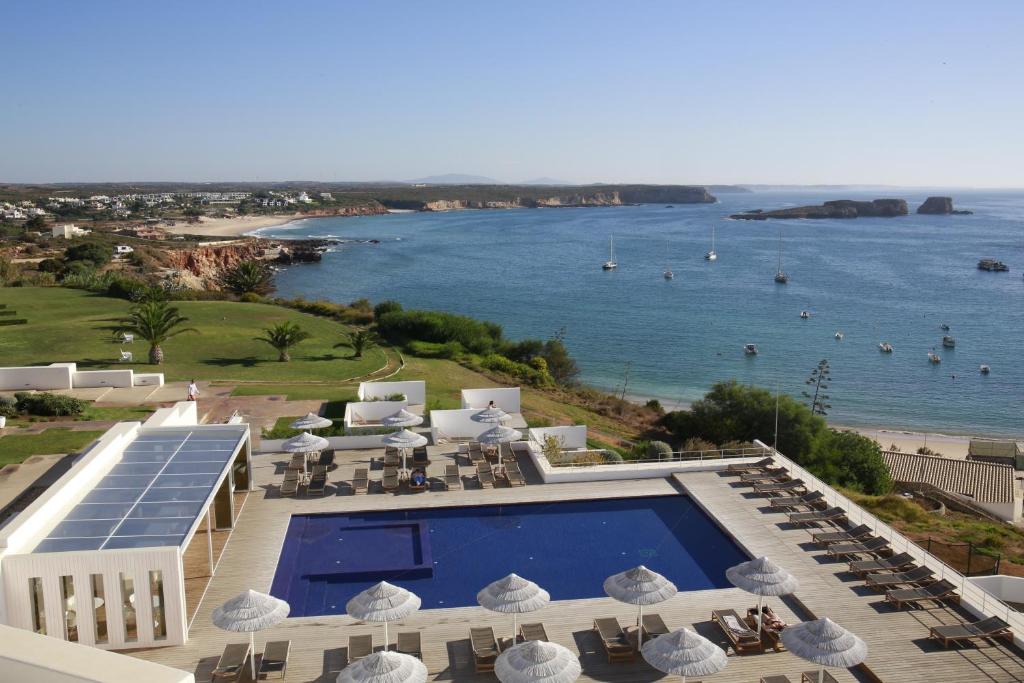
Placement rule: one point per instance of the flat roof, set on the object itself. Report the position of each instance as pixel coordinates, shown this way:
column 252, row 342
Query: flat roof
column 153, row 495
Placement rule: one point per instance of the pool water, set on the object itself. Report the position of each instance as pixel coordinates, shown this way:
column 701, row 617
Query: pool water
column 446, row 555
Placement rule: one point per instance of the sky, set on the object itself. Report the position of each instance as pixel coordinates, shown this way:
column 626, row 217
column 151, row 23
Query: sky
column 782, row 92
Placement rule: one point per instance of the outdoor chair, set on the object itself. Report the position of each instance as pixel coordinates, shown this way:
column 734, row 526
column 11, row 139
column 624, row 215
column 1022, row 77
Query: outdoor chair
column 485, row 648
column 654, row 626
column 741, row 637
column 361, row 480
column 420, row 457
column 326, row 458
column 833, row 515
column 484, row 475
column 896, row 563
column 871, row 546
column 814, row 499
column 533, row 632
column 409, row 644
column 452, row 480
column 986, row 629
column 275, row 659
column 613, row 640
column 290, row 485
column 747, row 468
column 765, row 475
column 512, row 474
column 777, row 678
column 812, row 677
column 476, row 453
column 231, row 661
column 318, row 482
column 389, row 482
column 128, row 337
column 789, row 486
column 914, row 577
column 940, row 591
column 392, row 458
column 126, row 356
column 849, row 536
column 298, row 462
column 359, row 647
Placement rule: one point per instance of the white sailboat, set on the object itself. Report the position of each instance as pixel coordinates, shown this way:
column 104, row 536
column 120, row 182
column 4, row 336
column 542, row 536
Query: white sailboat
column 610, row 264
column 780, row 275
column 711, row 255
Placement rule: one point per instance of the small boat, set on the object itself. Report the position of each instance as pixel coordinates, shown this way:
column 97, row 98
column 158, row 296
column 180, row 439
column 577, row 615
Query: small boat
column 750, row 349
column 838, row 336
column 984, row 369
column 610, row 264
column 944, row 327
column 668, row 275
column 934, row 358
column 711, row 255
column 780, row 275
column 992, row 265
column 885, row 347
column 805, row 314
column 949, row 342
column 669, row 206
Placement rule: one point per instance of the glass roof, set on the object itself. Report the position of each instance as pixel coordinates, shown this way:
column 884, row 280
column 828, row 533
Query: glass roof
column 152, row 496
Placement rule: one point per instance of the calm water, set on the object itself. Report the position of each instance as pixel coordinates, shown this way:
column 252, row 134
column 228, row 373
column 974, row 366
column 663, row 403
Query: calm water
column 896, row 279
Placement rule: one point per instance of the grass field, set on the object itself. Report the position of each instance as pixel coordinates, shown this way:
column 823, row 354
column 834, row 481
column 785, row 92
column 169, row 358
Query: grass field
column 17, row 447
column 92, row 413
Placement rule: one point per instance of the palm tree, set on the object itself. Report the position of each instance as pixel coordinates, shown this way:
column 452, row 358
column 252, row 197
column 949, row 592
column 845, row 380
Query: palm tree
column 359, row 341
column 283, row 337
column 156, row 322
column 248, row 276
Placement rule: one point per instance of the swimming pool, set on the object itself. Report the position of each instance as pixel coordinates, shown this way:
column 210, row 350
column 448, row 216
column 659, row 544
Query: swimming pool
column 446, row 555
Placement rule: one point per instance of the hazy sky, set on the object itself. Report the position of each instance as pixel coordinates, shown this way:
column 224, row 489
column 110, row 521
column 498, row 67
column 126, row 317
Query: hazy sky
column 916, row 93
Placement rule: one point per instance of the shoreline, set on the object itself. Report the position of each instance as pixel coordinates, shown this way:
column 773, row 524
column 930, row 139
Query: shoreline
column 240, row 226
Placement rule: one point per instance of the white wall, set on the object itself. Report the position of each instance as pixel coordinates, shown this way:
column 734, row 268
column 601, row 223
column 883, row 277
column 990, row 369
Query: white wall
column 182, row 413
column 338, row 443
column 1006, row 588
column 370, row 411
column 457, row 424
column 103, row 378
column 415, row 390
column 149, row 379
column 574, row 436
column 42, row 377
column 506, row 398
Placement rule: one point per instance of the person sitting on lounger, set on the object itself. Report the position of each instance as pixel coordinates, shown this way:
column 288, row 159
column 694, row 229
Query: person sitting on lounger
column 419, row 478
column 770, row 621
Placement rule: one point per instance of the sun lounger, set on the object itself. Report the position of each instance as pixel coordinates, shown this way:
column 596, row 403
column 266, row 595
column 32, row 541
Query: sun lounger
column 741, row 637
column 654, row 626
column 389, row 482
column 326, row 458
column 787, row 486
column 777, row 678
column 231, row 662
column 419, row 457
column 812, row 677
column 513, row 475
column 913, row 577
column 392, row 459
column 986, row 629
column 476, row 453
column 484, row 475
column 895, row 563
column 275, row 659
column 765, row 475
column 409, row 644
column 871, row 546
column 939, row 591
column 318, row 482
column 361, row 480
column 533, row 632
column 452, row 480
column 748, row 467
column 833, row 515
column 298, row 462
column 290, row 485
column 359, row 647
column 857, row 533
column 613, row 640
column 814, row 499
column 485, row 648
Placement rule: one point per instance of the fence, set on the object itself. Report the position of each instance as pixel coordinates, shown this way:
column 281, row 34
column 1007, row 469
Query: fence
column 588, row 457
column 963, row 557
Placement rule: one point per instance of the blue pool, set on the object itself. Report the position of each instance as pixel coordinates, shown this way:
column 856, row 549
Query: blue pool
column 446, row 555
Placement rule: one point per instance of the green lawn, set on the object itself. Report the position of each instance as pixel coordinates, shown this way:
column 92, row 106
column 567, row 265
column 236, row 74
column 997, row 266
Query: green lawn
column 73, row 325
column 17, row 447
column 92, row 412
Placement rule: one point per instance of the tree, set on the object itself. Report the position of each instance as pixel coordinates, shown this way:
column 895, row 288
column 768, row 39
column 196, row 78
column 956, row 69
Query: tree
column 248, row 277
column 561, row 365
column 359, row 341
column 849, row 459
column 155, row 322
column 383, row 307
column 89, row 252
column 35, row 223
column 819, row 379
column 283, row 337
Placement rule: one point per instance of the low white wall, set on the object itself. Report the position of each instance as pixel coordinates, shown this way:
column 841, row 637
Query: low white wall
column 646, row 470
column 370, row 411
column 506, row 398
column 574, row 436
column 149, row 379
column 182, row 413
column 415, row 390
column 338, row 443
column 1006, row 588
column 1008, row 512
column 43, row 377
column 456, row 424
column 102, row 378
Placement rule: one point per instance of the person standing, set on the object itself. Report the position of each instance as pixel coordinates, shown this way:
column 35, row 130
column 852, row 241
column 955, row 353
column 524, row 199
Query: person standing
column 193, row 390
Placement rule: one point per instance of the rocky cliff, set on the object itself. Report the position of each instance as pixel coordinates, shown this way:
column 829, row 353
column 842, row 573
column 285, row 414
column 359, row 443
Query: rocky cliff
column 940, row 206
column 201, row 267
column 838, row 208
column 454, row 198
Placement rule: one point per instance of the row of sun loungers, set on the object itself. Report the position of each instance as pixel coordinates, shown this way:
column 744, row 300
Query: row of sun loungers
column 232, row 661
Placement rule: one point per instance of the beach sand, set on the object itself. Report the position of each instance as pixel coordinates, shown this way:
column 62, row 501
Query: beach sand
column 948, row 445
column 230, row 227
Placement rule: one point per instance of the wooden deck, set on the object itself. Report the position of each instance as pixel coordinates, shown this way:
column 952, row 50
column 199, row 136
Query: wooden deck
column 898, row 651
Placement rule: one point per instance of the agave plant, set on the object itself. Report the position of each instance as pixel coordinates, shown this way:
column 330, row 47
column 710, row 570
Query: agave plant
column 283, row 337
column 156, row 322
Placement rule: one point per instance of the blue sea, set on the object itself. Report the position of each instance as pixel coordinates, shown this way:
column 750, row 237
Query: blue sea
column 538, row 272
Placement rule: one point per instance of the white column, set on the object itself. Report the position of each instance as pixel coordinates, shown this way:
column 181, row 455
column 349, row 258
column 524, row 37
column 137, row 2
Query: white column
column 209, row 538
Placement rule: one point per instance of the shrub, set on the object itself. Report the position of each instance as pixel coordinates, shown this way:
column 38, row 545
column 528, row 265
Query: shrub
column 698, row 444
column 361, row 305
column 48, row 404
column 8, row 406
column 251, row 298
column 89, row 252
column 655, row 405
column 395, row 397
column 499, row 363
column 126, row 288
column 50, row 265
column 659, row 450
column 403, row 327
column 448, row 351
column 388, row 306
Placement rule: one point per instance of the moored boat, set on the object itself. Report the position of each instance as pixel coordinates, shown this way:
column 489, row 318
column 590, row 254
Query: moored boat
column 750, row 349
column 885, row 347
column 934, row 358
column 949, row 342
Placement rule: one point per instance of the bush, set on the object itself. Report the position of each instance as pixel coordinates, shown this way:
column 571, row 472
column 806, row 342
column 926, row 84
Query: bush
column 655, row 405
column 476, row 336
column 50, row 265
column 8, row 406
column 388, row 306
column 499, row 363
column 251, row 298
column 659, row 450
column 89, row 252
column 50, row 405
column 698, row 444
column 126, row 288
column 449, row 351
column 851, row 460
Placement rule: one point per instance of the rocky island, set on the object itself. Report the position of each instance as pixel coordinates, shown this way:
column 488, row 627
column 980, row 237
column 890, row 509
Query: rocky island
column 838, row 208
column 941, row 206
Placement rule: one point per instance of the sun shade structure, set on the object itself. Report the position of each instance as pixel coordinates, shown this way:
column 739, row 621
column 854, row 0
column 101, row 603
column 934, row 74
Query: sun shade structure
column 383, row 602
column 305, row 443
column 498, row 435
column 684, row 653
column 385, row 667
column 249, row 612
column 639, row 586
column 492, row 415
column 311, row 421
column 825, row 643
column 404, row 439
column 763, row 578
column 513, row 595
column 537, row 661
column 403, row 418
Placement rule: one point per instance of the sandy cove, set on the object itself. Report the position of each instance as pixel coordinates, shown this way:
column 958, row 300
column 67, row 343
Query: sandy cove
column 231, row 227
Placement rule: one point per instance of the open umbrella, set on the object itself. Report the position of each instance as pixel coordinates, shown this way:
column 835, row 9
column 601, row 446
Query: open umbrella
column 311, row 421
column 535, row 661
column 404, row 439
column 513, row 594
column 825, row 643
column 762, row 577
column 383, row 602
column 499, row 434
column 305, row 443
column 639, row 586
column 403, row 418
column 385, row 667
column 494, row 415
column 249, row 612
column 684, row 653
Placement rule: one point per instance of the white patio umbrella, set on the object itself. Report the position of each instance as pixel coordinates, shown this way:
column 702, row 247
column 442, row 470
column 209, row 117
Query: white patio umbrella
column 384, row 667
column 639, row 586
column 513, row 595
column 495, row 415
column 537, row 661
column 311, row 421
column 383, row 602
column 762, row 577
column 249, row 612
column 684, row 653
column 825, row 643
column 405, row 439
column 305, row 443
column 499, row 434
column 403, row 418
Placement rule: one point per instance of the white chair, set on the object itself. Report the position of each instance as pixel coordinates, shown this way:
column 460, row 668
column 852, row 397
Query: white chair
column 126, row 356
column 128, row 337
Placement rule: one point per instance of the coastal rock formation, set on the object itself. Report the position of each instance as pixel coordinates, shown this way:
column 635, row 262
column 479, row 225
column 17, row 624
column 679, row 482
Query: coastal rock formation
column 837, row 208
column 940, row 206
column 521, row 197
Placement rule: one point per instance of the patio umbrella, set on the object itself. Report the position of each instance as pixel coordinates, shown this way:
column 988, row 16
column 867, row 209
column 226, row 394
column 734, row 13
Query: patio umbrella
column 249, row 612
column 311, row 421
column 499, row 434
column 383, row 602
column 513, row 594
column 684, row 653
column 403, row 418
column 405, row 439
column 495, row 415
column 385, row 667
column 535, row 661
column 305, row 443
column 762, row 577
column 639, row 586
column 825, row 643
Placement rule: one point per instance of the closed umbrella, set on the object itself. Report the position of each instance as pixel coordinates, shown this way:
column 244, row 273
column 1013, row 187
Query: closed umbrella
column 537, row 661
column 494, row 415
column 639, row 586
column 499, row 434
column 311, row 421
column 825, row 643
column 383, row 602
column 684, row 653
column 762, row 577
column 403, row 418
column 249, row 612
column 513, row 595
column 405, row 439
column 385, row 667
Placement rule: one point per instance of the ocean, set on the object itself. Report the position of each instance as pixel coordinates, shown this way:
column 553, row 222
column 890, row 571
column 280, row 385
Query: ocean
column 537, row 272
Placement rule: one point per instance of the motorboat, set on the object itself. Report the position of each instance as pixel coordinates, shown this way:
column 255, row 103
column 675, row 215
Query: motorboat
column 750, row 349
column 668, row 275
column 944, row 327
column 992, row 265
column 949, row 342
column 934, row 358
column 610, row 264
column 805, row 314
column 838, row 336
column 885, row 347
column 984, row 369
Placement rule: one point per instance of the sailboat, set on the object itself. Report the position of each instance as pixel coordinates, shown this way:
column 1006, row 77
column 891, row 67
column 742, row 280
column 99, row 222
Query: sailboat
column 711, row 255
column 781, row 276
column 610, row 264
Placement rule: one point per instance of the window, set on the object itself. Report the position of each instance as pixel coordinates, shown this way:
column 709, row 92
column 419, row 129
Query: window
column 35, row 590
column 156, row 592
column 131, row 627
column 100, row 608
column 71, row 608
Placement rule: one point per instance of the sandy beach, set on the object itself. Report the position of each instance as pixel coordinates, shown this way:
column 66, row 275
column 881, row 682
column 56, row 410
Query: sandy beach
column 230, row 227
column 948, row 445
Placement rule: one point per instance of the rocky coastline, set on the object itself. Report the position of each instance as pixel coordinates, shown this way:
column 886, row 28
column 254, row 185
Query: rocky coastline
column 941, row 206
column 838, row 208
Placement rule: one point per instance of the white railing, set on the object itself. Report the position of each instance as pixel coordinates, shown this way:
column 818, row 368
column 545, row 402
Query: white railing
column 973, row 597
column 675, row 456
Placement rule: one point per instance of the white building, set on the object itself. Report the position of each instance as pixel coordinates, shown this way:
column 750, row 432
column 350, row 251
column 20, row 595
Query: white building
column 304, row 198
column 68, row 231
column 122, row 249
